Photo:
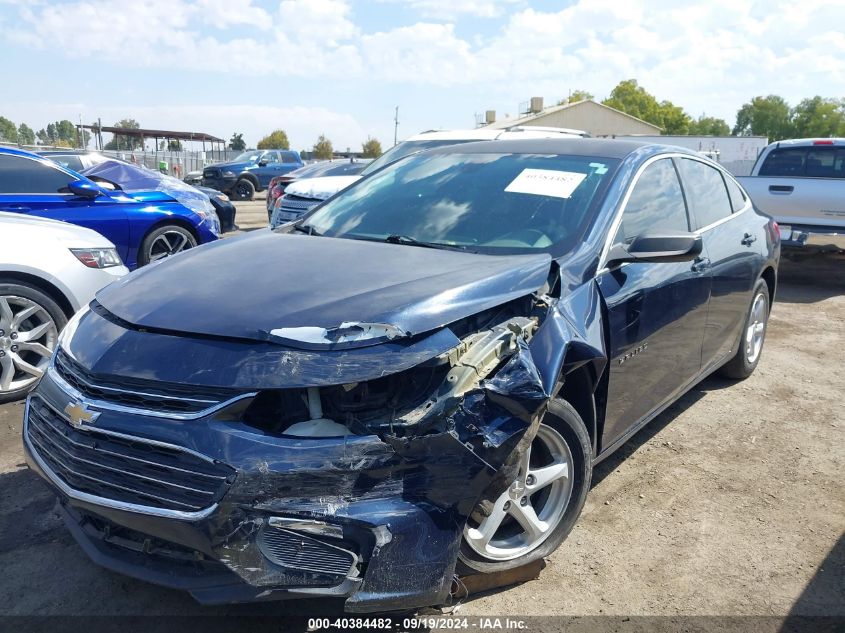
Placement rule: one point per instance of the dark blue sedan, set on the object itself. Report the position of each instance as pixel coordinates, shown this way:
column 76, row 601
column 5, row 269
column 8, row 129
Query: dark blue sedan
column 144, row 226
column 456, row 341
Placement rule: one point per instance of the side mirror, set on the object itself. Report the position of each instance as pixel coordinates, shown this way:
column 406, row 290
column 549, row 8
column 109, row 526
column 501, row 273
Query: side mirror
column 262, row 163
column 666, row 246
column 84, row 189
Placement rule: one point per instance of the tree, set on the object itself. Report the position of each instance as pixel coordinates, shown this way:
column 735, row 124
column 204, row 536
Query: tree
column 709, row 126
column 323, row 148
column 237, row 142
column 575, row 96
column 819, row 117
column 765, row 116
column 121, row 141
column 277, row 139
column 8, row 131
column 25, row 135
column 43, row 137
column 631, row 98
column 371, row 148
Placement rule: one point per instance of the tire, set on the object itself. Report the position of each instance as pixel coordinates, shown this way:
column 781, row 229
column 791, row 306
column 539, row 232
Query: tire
column 25, row 311
column 243, row 190
column 751, row 339
column 560, row 501
column 165, row 241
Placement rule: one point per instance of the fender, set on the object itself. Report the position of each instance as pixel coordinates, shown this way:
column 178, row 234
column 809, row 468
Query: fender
column 570, row 337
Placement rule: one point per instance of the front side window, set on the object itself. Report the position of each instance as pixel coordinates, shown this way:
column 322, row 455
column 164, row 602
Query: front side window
column 24, row 175
column 486, row 202
column 270, row 158
column 706, row 193
column 656, row 204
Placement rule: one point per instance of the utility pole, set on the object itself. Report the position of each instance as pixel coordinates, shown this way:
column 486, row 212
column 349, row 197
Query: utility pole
column 395, row 125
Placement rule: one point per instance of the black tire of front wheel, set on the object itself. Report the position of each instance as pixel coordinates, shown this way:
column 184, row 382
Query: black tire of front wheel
column 563, row 418
column 244, row 189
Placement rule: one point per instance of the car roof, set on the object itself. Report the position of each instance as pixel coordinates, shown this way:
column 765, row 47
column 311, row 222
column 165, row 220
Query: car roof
column 608, row 148
column 488, row 134
column 14, row 151
column 65, row 152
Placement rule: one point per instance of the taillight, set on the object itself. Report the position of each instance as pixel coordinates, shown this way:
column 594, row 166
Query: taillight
column 827, row 141
column 775, row 230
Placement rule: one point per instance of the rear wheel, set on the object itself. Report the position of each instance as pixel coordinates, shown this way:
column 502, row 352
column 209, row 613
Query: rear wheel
column 243, row 189
column 538, row 510
column 164, row 242
column 30, row 322
column 750, row 347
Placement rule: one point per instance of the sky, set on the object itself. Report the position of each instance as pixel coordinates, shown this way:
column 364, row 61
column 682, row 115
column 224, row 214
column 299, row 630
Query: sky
column 340, row 67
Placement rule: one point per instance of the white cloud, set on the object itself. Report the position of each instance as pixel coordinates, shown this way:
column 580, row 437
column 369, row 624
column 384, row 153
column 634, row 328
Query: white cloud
column 454, row 9
column 710, row 55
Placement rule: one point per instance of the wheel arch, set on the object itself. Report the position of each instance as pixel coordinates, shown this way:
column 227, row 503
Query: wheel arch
column 770, row 276
column 44, row 285
column 251, row 177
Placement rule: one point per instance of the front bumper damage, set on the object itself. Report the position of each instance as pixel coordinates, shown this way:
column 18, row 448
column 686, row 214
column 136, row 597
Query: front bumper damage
column 374, row 518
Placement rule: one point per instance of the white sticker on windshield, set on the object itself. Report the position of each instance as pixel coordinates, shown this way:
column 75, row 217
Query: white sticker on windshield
column 546, row 182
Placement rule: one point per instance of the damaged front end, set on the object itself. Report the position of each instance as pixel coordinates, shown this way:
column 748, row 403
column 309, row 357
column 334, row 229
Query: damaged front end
column 356, row 481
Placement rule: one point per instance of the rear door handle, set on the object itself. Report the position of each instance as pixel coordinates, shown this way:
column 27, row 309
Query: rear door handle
column 781, row 189
column 700, row 265
column 748, row 239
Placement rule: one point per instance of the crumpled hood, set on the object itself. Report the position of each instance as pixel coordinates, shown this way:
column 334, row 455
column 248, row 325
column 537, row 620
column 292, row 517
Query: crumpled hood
column 320, row 188
column 247, row 287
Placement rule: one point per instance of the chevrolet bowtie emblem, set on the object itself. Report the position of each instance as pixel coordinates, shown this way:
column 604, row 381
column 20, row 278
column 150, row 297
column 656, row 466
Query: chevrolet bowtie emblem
column 78, row 414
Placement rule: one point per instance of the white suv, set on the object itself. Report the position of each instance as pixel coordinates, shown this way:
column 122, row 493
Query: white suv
column 302, row 195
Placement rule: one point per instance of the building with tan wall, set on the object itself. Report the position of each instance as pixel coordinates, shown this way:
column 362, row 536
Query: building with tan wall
column 589, row 116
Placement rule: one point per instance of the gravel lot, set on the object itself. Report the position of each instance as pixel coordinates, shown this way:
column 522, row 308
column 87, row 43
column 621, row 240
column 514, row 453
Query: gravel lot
column 730, row 503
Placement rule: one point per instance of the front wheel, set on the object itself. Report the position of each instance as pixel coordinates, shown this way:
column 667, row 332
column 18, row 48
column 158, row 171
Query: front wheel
column 750, row 347
column 243, row 190
column 164, row 242
column 538, row 510
column 30, row 322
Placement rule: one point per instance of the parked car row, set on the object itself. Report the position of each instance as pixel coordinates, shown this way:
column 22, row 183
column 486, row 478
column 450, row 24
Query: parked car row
column 458, row 337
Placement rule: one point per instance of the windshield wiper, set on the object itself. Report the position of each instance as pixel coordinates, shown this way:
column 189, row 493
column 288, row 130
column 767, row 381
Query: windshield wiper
column 411, row 241
column 307, row 229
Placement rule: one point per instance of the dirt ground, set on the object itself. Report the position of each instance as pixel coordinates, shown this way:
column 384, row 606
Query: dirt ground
column 730, row 503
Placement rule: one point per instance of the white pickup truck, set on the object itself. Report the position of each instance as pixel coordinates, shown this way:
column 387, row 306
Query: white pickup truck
column 801, row 184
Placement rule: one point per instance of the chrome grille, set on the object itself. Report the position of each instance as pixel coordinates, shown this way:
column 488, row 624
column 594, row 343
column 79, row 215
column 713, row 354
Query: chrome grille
column 124, row 469
column 294, row 202
column 153, row 396
column 297, row 551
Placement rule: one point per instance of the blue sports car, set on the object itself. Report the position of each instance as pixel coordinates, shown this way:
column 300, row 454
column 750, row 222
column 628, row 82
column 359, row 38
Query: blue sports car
column 145, row 226
column 456, row 340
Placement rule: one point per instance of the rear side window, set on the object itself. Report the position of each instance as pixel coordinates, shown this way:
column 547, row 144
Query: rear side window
column 706, row 193
column 809, row 162
column 784, row 162
column 288, row 158
column 656, row 203
column 736, row 194
column 23, row 175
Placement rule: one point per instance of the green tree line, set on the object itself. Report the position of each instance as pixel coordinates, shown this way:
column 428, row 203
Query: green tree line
column 769, row 116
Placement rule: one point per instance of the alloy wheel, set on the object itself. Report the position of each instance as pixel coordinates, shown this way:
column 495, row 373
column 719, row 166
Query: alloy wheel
column 533, row 505
column 756, row 330
column 28, row 337
column 169, row 243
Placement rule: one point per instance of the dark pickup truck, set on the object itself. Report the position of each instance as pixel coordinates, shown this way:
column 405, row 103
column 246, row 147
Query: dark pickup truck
column 250, row 172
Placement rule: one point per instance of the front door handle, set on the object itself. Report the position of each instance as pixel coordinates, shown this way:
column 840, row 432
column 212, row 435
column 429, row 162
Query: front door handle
column 748, row 239
column 700, row 264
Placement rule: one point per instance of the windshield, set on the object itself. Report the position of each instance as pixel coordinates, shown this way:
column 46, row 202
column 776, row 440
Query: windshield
column 247, row 157
column 408, row 147
column 490, row 203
